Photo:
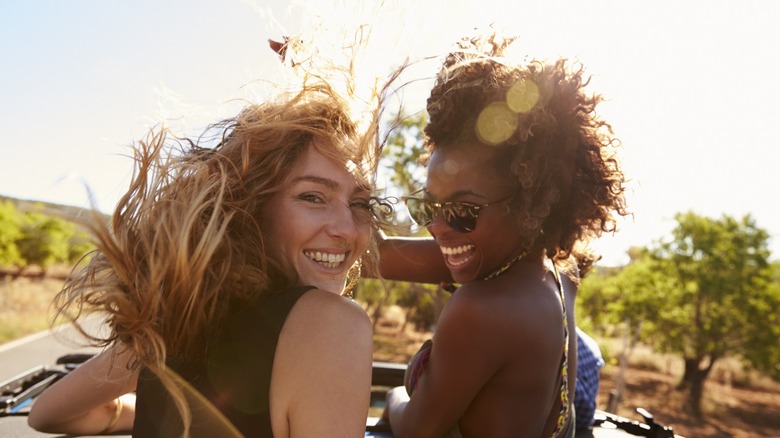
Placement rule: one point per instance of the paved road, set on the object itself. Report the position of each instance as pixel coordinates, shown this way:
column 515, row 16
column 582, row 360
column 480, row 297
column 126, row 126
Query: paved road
column 40, row 349
column 44, row 348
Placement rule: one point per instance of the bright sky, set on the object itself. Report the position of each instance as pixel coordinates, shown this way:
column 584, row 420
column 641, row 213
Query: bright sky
column 693, row 87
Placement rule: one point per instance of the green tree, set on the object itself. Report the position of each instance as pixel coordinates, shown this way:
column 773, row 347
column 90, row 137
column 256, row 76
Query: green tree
column 596, row 296
column 44, row 240
column 10, row 232
column 636, row 290
column 629, row 301
column 402, row 152
column 715, row 299
column 761, row 347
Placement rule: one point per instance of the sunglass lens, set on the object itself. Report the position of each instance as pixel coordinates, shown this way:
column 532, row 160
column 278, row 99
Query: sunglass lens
column 460, row 220
column 422, row 212
column 461, row 217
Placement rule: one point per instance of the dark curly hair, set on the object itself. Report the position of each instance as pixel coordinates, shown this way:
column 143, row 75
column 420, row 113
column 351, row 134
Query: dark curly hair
column 545, row 132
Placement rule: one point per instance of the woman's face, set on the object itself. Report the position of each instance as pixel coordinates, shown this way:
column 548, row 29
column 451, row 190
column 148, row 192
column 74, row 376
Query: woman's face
column 320, row 221
column 469, row 174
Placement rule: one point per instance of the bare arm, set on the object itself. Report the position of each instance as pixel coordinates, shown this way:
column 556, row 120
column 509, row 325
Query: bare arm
column 474, row 361
column 461, row 363
column 416, row 259
column 321, row 380
column 91, row 399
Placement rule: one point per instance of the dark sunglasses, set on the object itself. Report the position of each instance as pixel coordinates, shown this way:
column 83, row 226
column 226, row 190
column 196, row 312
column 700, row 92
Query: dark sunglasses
column 461, row 216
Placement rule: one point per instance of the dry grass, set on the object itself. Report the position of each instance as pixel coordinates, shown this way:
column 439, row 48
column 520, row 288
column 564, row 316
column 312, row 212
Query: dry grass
column 24, row 306
column 728, row 411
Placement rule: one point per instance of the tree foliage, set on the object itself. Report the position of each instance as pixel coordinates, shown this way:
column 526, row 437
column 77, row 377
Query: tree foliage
column 763, row 336
column 719, row 274
column 595, row 294
column 33, row 238
column 44, row 241
column 422, row 303
column 10, row 232
column 402, row 152
column 705, row 293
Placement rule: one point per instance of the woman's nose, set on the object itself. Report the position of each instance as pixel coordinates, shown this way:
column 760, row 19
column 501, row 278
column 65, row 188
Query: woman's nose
column 438, row 225
column 343, row 223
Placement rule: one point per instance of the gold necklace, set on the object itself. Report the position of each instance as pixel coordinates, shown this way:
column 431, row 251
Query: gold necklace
column 451, row 287
column 506, row 266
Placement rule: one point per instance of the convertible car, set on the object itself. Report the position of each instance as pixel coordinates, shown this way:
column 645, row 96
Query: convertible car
column 19, row 393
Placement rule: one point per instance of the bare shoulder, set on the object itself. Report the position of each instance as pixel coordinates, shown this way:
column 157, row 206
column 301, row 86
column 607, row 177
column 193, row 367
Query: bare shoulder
column 323, row 333
column 526, row 290
column 322, row 368
column 322, row 310
column 322, row 322
column 521, row 308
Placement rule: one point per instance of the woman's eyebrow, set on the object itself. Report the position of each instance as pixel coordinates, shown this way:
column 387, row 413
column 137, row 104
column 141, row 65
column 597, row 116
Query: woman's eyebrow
column 327, row 182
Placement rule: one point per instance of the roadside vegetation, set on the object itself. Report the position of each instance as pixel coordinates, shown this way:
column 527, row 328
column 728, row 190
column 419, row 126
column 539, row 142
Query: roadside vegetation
column 36, row 235
column 738, row 400
column 689, row 327
column 24, row 304
column 39, row 242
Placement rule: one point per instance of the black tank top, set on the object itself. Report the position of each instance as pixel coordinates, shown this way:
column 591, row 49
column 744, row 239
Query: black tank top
column 235, row 378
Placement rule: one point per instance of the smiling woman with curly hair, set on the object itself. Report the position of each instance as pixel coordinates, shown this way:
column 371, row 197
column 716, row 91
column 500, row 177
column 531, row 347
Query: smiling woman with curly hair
column 521, row 172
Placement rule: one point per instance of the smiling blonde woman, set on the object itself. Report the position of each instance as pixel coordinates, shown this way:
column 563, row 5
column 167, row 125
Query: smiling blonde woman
column 223, row 274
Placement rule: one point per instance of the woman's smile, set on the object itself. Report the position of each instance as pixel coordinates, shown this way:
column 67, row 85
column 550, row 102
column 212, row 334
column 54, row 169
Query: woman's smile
column 456, row 256
column 327, row 260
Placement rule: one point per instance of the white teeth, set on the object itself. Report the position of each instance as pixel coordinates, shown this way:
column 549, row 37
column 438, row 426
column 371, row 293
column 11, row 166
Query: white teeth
column 456, row 249
column 325, row 259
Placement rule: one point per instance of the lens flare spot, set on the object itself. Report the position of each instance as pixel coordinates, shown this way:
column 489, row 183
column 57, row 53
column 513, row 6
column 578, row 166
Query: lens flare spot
column 496, row 123
column 522, row 96
column 451, row 168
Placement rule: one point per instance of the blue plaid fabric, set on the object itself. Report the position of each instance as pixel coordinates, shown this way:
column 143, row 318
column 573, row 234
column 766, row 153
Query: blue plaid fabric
column 589, row 363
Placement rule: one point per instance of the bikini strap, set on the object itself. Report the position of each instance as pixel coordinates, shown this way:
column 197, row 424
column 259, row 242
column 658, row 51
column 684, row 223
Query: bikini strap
column 564, row 414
